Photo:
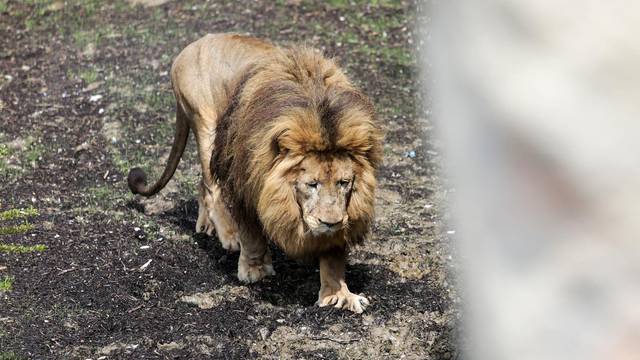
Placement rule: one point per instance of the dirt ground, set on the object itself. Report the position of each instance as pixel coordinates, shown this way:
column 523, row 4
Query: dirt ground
column 88, row 271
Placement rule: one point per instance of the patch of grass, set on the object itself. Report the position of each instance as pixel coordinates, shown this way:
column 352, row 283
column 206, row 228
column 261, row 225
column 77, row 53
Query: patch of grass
column 21, row 249
column 6, row 284
column 12, row 214
column 9, row 356
column 16, row 229
column 121, row 163
column 345, row 4
column 159, row 101
column 105, row 197
column 3, row 8
column 82, row 38
column 338, row 3
column 398, row 56
column 5, row 151
column 16, row 161
column 88, row 75
column 101, row 194
column 89, row 7
column 34, row 153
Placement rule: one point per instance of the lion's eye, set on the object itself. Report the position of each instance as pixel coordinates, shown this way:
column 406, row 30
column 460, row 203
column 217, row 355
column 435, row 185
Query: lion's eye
column 313, row 184
column 344, row 182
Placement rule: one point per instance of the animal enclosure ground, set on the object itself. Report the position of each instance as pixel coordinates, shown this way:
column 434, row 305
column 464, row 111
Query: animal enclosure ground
column 87, row 270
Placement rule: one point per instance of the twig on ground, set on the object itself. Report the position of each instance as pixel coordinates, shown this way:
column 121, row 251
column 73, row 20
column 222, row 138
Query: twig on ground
column 72, row 269
column 134, row 309
column 348, row 341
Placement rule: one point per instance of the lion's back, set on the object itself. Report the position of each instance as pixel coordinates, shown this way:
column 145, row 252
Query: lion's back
column 205, row 71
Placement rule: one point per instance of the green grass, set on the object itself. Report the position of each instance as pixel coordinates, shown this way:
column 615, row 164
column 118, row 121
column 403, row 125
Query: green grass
column 345, row 4
column 16, row 229
column 21, row 249
column 338, row 3
column 122, row 163
column 6, row 284
column 12, row 214
column 88, row 76
column 15, row 161
column 82, row 38
column 102, row 194
column 34, row 153
column 9, row 356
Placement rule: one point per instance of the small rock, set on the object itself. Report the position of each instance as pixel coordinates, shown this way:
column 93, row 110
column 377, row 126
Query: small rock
column 95, row 98
column 93, row 86
column 154, row 64
column 264, row 333
column 55, row 6
column 148, row 3
column 81, row 147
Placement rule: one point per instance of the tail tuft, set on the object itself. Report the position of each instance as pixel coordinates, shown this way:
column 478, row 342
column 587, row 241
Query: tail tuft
column 137, row 180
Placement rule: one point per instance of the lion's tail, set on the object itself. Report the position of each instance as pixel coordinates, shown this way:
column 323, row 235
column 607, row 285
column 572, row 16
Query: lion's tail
column 137, row 179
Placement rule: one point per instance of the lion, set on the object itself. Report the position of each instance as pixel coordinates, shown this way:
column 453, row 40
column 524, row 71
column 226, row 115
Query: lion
column 289, row 148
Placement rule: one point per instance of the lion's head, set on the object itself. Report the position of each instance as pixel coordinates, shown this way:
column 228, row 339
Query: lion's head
column 296, row 154
column 322, row 190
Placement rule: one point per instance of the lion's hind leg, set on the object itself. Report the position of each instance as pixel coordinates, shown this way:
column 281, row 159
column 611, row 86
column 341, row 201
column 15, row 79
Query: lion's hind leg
column 226, row 227
column 255, row 258
column 205, row 202
column 213, row 214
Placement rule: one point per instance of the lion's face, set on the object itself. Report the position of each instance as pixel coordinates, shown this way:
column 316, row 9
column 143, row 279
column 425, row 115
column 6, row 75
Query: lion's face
column 323, row 186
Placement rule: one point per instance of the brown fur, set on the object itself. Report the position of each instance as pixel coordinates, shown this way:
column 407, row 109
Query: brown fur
column 257, row 112
column 295, row 104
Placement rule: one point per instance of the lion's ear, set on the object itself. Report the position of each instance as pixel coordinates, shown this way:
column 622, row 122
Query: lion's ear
column 361, row 205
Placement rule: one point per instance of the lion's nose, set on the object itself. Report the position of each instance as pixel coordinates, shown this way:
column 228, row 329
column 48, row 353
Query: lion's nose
column 330, row 223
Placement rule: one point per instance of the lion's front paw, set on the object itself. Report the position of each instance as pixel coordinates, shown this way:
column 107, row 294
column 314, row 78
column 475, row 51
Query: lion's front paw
column 251, row 273
column 344, row 299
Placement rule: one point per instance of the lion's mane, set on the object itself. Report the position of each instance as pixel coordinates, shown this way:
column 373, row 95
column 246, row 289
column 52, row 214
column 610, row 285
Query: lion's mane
column 294, row 103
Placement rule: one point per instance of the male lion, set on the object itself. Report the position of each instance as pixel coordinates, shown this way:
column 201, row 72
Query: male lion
column 288, row 149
